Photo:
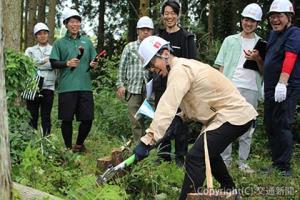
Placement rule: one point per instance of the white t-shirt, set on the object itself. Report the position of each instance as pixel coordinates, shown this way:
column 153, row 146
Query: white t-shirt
column 245, row 78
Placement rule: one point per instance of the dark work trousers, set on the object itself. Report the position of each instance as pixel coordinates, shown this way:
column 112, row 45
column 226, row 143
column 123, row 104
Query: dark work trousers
column 217, row 141
column 67, row 130
column 278, row 120
column 177, row 131
column 43, row 103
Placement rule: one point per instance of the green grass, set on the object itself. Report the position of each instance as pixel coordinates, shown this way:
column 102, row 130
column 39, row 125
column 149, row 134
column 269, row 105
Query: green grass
column 74, row 177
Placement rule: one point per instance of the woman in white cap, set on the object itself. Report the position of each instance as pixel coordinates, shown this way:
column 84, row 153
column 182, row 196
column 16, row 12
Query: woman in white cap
column 43, row 102
column 203, row 94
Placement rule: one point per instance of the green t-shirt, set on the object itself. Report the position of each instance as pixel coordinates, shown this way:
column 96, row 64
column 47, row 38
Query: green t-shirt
column 67, row 48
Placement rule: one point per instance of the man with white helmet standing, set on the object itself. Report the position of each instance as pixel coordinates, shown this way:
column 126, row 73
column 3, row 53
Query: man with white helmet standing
column 282, row 84
column 195, row 88
column 40, row 54
column 230, row 60
column 132, row 76
column 73, row 55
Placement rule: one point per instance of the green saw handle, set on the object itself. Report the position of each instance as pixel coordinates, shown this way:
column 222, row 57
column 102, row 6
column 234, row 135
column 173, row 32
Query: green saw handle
column 130, row 160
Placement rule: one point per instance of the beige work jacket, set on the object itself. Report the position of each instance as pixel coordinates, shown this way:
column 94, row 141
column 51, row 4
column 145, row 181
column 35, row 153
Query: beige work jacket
column 203, row 94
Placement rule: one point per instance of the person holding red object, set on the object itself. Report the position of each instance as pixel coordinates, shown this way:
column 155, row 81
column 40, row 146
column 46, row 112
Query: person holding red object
column 282, row 84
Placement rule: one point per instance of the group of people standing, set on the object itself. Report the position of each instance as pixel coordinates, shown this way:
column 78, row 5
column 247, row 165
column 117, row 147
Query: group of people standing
column 224, row 100
column 72, row 56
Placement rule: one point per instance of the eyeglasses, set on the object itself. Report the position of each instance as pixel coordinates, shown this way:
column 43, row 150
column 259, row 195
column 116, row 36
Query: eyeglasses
column 276, row 16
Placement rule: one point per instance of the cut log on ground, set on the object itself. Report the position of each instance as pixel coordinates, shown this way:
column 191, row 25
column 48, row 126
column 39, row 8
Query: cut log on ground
column 28, row 193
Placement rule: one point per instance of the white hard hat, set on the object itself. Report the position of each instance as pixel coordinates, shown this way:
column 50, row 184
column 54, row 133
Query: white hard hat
column 282, row 6
column 149, row 47
column 145, row 22
column 252, row 11
column 40, row 27
column 70, row 13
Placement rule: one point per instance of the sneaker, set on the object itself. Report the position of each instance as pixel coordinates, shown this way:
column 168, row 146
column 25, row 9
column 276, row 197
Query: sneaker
column 246, row 168
column 271, row 169
column 268, row 171
column 286, row 173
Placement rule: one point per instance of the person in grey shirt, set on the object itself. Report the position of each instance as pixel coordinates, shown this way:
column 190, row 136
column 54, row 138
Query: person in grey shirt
column 40, row 54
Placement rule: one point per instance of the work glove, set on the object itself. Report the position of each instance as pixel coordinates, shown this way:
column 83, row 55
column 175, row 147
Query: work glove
column 141, row 151
column 280, row 92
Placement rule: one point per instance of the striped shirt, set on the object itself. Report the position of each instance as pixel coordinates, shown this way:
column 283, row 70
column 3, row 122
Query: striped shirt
column 131, row 72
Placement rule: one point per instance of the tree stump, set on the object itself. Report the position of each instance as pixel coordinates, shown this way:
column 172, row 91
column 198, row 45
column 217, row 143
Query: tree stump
column 116, row 156
column 102, row 164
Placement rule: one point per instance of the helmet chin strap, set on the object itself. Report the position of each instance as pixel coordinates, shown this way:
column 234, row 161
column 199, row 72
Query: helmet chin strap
column 168, row 67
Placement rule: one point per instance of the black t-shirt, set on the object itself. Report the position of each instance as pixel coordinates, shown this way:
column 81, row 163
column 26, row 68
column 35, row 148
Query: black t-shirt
column 175, row 40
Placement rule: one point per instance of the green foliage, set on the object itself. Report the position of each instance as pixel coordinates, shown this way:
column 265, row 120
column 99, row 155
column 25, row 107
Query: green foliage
column 45, row 166
column 112, row 117
column 18, row 68
column 85, row 189
column 105, row 76
column 209, row 50
column 150, row 180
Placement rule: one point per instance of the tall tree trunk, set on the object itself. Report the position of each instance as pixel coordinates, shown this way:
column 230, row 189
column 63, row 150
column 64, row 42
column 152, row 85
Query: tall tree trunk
column 24, row 26
column 210, row 22
column 41, row 10
column 133, row 16
column 12, row 24
column 184, row 13
column 32, row 8
column 156, row 11
column 101, row 11
column 51, row 19
column 5, row 178
column 144, row 8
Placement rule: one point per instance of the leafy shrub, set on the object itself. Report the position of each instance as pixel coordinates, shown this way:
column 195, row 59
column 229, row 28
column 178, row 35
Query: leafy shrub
column 18, row 68
column 105, row 76
column 85, row 189
column 111, row 114
column 150, row 180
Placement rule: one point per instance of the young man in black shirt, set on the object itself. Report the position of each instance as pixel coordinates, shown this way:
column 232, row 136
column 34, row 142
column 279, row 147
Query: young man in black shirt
column 183, row 45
